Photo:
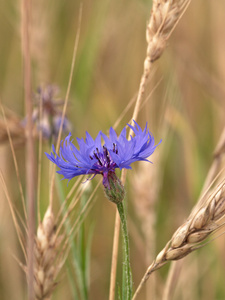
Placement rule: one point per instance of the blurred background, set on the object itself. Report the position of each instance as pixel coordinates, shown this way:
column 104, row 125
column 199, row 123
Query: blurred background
column 184, row 104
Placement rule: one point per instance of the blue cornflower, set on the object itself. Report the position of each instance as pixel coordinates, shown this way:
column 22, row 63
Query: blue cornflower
column 49, row 120
column 93, row 157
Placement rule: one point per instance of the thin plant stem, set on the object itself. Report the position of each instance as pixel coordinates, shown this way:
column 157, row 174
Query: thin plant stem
column 171, row 281
column 140, row 95
column 128, row 274
column 114, row 257
column 66, row 102
column 154, row 266
column 15, row 162
column 39, row 164
column 123, row 179
column 26, row 10
column 15, row 221
column 71, row 241
column 146, row 72
column 149, row 60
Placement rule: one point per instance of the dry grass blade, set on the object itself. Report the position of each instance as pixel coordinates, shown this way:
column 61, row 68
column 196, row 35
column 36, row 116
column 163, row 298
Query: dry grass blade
column 73, row 230
column 144, row 200
column 172, row 279
column 216, row 165
column 15, row 221
column 132, row 101
column 73, row 202
column 39, row 161
column 30, row 169
column 46, row 251
column 80, row 217
column 66, row 102
column 195, row 230
column 9, row 137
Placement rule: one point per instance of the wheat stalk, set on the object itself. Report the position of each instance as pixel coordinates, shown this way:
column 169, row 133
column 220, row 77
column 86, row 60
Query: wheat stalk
column 30, row 170
column 165, row 15
column 48, row 260
column 40, row 34
column 190, row 235
column 46, row 249
column 144, row 200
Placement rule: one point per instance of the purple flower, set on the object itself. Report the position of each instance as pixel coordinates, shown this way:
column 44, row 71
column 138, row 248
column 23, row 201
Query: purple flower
column 49, row 120
column 95, row 158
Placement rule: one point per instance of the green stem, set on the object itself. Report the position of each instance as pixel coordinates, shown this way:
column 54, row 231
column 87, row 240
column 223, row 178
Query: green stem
column 128, row 273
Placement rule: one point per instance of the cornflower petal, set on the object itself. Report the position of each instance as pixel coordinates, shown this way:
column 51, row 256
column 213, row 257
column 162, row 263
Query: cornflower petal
column 93, row 157
column 89, row 140
column 112, row 134
column 122, row 134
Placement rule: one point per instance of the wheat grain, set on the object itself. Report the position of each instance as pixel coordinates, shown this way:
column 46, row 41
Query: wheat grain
column 164, row 16
column 188, row 237
column 46, row 250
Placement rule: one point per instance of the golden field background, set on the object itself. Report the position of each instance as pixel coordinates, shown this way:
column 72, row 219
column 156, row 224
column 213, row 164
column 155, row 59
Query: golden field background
column 184, row 104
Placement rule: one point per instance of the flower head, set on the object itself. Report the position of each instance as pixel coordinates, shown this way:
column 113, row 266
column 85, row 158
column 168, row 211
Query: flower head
column 48, row 120
column 94, row 158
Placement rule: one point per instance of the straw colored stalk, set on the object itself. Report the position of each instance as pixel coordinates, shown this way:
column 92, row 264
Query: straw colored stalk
column 164, row 17
column 146, row 184
column 144, row 203
column 41, row 18
column 46, row 264
column 189, row 236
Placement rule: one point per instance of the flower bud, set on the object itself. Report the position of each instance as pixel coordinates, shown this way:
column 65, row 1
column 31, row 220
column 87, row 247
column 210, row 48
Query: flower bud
column 114, row 188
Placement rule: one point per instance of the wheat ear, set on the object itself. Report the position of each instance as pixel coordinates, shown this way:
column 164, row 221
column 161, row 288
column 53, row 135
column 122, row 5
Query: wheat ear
column 165, row 15
column 195, row 230
column 213, row 173
column 46, row 250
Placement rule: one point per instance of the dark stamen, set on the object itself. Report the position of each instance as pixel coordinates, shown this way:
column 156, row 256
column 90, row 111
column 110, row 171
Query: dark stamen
column 106, row 152
column 115, row 148
column 96, row 156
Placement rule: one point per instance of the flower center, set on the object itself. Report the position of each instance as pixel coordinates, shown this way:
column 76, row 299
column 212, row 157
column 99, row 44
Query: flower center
column 103, row 158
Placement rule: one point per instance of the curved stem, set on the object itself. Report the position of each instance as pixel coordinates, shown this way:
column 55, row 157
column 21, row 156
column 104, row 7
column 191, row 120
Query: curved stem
column 128, row 273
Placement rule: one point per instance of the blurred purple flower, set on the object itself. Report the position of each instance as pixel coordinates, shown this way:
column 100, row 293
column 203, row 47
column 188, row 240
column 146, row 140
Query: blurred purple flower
column 95, row 158
column 50, row 119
